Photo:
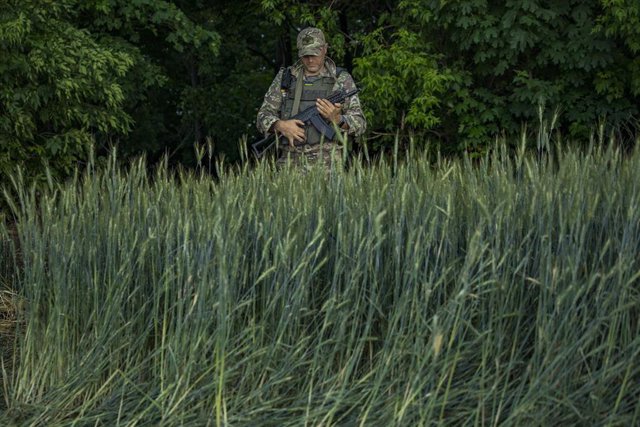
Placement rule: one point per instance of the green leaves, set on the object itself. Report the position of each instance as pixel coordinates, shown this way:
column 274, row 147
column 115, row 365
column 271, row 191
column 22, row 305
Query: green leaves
column 401, row 82
column 59, row 86
column 74, row 71
column 161, row 75
column 622, row 18
column 518, row 54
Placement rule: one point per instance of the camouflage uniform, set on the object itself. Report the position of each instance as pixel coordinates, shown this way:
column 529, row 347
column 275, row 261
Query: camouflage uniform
column 277, row 101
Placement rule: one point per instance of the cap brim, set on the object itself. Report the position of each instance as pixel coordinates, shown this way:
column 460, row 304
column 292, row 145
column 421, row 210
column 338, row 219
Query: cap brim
column 309, row 52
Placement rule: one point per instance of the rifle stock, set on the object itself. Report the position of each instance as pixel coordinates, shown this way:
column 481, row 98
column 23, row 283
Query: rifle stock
column 259, row 148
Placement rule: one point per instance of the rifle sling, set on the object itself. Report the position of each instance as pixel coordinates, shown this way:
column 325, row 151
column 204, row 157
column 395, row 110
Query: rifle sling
column 298, row 93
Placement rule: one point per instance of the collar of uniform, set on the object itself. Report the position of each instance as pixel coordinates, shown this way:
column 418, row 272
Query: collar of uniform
column 329, row 69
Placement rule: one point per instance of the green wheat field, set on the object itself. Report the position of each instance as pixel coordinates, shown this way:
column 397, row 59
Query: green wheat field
column 496, row 291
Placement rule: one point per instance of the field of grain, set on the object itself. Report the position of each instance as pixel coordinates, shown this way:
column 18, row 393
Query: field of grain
column 503, row 290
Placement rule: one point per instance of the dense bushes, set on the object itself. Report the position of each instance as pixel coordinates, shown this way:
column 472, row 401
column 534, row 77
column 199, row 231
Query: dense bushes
column 158, row 77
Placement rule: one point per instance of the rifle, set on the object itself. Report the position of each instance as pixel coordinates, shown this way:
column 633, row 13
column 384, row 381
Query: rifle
column 309, row 115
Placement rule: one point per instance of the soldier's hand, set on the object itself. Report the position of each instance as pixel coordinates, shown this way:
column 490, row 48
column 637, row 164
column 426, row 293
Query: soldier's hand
column 293, row 130
column 330, row 112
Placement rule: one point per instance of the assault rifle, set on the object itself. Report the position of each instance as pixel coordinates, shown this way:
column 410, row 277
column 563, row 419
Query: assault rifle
column 309, row 115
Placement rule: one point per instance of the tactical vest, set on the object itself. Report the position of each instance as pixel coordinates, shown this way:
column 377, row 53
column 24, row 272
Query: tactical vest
column 321, row 88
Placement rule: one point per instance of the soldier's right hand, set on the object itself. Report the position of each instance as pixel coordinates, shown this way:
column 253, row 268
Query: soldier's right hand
column 293, row 130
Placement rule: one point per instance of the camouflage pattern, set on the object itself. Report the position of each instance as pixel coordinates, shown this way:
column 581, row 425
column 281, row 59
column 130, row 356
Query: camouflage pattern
column 270, row 111
column 306, row 156
column 310, row 42
column 312, row 89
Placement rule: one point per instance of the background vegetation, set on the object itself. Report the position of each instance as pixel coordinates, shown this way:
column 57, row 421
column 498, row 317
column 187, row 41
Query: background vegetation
column 158, row 77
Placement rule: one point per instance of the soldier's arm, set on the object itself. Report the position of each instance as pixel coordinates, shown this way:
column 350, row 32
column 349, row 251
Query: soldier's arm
column 269, row 112
column 268, row 120
column 353, row 116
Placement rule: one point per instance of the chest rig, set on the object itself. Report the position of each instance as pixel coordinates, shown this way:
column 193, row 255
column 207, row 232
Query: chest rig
column 321, row 87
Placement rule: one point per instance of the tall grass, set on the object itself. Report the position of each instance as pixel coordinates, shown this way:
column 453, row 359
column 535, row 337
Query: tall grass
column 503, row 291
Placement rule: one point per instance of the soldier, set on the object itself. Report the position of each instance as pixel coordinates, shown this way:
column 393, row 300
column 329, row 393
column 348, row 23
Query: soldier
column 306, row 83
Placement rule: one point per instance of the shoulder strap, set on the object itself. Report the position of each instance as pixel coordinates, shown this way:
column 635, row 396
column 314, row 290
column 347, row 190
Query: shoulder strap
column 285, row 83
column 298, row 93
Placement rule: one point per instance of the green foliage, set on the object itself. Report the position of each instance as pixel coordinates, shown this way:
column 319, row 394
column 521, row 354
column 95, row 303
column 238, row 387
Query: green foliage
column 217, row 96
column 77, row 72
column 402, row 83
column 168, row 46
column 130, row 18
column 504, row 60
column 160, row 76
column 621, row 19
column 59, row 86
column 283, row 13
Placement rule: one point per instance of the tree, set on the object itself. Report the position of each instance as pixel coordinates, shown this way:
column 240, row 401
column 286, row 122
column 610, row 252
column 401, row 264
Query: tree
column 403, row 82
column 620, row 19
column 158, row 76
column 169, row 39
column 106, row 71
column 510, row 58
column 59, row 86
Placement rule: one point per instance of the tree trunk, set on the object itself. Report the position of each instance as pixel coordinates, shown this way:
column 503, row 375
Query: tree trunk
column 197, row 126
column 344, row 27
column 284, row 55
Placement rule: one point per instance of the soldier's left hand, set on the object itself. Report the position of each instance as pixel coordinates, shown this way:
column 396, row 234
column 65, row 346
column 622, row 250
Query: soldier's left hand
column 330, row 112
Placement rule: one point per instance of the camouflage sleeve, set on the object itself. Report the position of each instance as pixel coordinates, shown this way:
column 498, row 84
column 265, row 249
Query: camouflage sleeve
column 352, row 109
column 269, row 112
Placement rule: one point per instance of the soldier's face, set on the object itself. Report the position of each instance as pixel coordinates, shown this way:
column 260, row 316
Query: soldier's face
column 313, row 64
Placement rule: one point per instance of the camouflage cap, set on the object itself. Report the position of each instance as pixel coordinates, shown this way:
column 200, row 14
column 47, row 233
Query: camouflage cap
column 310, row 42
